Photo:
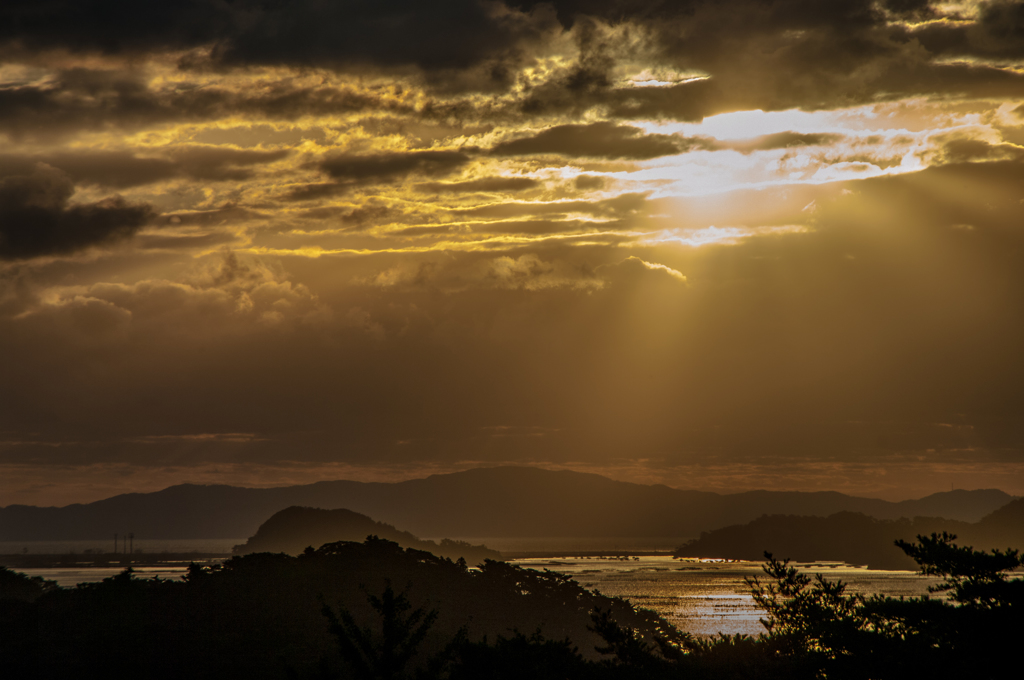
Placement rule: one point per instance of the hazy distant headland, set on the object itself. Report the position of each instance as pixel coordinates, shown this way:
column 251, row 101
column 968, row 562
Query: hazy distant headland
column 853, row 537
column 495, row 502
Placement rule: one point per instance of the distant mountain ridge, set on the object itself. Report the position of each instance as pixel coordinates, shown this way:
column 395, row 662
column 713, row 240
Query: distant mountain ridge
column 483, row 502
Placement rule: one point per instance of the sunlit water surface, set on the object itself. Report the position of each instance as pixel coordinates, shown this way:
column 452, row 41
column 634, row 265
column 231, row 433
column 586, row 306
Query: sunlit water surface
column 707, row 598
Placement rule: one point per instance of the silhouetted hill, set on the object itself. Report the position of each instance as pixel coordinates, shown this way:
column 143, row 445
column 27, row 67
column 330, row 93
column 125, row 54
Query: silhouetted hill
column 1002, row 528
column 970, row 506
column 852, row 537
column 294, row 529
column 494, row 502
column 845, row 536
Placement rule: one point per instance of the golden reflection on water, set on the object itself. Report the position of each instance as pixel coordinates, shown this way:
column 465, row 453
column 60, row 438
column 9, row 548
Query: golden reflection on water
column 706, row 598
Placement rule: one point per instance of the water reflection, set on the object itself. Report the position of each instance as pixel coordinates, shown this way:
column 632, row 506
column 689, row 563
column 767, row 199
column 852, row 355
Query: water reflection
column 706, row 598
column 69, row 578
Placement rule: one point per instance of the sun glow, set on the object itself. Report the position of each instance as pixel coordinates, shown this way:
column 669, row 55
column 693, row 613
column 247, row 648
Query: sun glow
column 712, row 235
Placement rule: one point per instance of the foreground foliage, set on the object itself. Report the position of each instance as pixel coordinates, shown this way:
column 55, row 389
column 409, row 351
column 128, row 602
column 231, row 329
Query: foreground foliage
column 337, row 613
column 823, row 631
column 262, row 615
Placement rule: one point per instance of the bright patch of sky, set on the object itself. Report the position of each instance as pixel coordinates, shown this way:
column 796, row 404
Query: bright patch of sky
column 854, row 143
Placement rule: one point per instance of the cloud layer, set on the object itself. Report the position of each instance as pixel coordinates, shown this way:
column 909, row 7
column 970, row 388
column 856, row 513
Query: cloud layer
column 653, row 238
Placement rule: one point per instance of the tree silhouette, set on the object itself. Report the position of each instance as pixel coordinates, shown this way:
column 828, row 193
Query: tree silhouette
column 824, row 632
column 518, row 657
column 17, row 586
column 384, row 656
column 972, row 577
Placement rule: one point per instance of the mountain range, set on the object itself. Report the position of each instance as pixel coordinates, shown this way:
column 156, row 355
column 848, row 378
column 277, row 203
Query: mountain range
column 483, row 502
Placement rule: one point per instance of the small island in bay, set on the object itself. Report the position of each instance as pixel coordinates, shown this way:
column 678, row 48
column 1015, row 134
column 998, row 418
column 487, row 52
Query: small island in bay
column 296, row 528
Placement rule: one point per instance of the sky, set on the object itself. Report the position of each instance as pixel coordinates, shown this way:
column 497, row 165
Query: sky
column 715, row 245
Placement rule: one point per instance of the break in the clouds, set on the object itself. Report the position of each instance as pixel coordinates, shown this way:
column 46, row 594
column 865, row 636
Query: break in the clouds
column 771, row 243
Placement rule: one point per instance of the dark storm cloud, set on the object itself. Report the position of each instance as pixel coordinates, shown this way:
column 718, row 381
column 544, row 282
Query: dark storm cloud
column 787, row 13
column 315, row 191
column 821, row 41
column 783, row 54
column 124, row 169
column 37, row 219
column 909, row 9
column 484, row 184
column 845, row 52
column 84, row 98
column 454, row 34
column 613, row 141
column 90, row 99
column 956, row 79
column 687, row 101
column 998, row 33
column 596, row 140
column 104, row 168
column 114, row 26
column 219, row 164
column 385, row 167
column 350, row 171
column 772, row 56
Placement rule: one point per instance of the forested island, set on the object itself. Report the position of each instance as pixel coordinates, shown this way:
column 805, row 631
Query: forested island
column 374, row 610
column 294, row 529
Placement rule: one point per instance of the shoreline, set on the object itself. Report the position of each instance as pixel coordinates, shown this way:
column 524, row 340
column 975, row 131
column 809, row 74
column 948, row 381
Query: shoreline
column 108, row 561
